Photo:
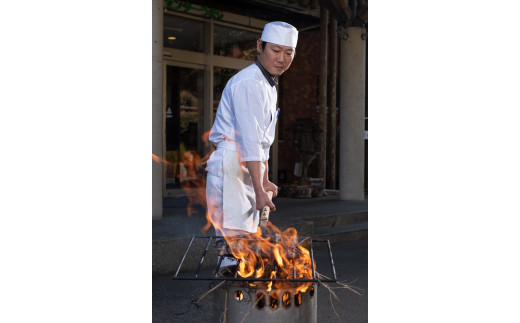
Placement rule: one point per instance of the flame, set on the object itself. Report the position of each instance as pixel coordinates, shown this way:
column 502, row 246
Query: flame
column 191, row 178
column 286, row 299
column 275, row 254
column 270, row 284
column 158, row 159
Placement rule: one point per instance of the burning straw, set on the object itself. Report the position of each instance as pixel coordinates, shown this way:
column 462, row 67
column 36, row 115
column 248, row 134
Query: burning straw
column 272, row 255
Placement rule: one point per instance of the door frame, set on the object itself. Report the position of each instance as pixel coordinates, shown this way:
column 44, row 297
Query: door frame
column 166, row 63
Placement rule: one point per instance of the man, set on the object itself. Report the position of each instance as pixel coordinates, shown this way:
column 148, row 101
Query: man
column 243, row 132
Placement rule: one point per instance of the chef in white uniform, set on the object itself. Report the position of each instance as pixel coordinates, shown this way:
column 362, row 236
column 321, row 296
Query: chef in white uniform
column 243, row 132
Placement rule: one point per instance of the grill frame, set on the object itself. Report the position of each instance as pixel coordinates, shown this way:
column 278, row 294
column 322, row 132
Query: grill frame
column 215, row 276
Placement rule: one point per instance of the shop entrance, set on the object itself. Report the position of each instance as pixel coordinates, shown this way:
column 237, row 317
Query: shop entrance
column 184, row 127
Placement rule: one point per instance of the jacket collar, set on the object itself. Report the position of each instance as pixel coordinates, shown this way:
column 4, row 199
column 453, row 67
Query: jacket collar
column 271, row 79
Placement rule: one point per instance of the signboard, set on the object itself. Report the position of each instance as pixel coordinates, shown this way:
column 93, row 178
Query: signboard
column 188, row 7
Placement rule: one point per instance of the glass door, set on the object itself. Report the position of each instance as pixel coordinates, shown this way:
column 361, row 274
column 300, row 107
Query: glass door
column 184, row 127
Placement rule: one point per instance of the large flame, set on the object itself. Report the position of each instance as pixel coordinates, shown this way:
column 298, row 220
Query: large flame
column 190, row 176
column 269, row 254
column 273, row 254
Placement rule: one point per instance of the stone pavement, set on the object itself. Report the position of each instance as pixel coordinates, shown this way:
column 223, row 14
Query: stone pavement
column 177, row 223
column 325, row 217
column 172, row 299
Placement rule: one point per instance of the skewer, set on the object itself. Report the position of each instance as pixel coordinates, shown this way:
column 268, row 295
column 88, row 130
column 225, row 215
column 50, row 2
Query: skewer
column 202, row 259
column 184, row 257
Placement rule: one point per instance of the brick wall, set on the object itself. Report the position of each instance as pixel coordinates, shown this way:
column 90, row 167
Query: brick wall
column 298, row 98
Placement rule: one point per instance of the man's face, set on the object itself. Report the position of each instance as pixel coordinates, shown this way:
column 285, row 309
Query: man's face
column 276, row 59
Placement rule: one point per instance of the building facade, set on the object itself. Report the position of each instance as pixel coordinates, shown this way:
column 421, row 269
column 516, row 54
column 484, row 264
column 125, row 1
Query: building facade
column 198, row 46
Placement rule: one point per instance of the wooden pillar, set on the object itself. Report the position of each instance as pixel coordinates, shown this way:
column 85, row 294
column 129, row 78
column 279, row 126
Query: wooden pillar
column 331, row 124
column 324, row 17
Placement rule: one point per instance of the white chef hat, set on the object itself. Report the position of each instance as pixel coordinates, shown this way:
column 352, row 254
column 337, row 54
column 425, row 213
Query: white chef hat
column 281, row 33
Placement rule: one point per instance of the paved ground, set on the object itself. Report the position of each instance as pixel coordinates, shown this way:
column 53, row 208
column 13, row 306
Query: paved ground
column 177, row 223
column 172, row 299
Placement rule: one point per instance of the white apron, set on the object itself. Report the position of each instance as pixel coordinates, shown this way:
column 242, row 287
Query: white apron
column 230, row 190
column 229, row 186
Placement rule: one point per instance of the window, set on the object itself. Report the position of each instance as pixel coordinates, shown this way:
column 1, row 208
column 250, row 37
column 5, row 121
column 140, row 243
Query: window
column 182, row 33
column 236, row 43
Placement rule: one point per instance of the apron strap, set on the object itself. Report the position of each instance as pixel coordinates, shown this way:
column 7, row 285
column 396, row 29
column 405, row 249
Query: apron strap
column 227, row 144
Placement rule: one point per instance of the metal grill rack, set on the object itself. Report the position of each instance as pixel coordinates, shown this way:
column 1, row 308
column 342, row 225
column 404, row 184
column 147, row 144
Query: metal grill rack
column 214, row 275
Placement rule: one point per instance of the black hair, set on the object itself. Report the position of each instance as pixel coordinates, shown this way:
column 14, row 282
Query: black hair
column 263, row 45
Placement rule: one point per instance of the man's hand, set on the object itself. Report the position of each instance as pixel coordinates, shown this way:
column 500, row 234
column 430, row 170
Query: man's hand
column 269, row 186
column 262, row 199
column 261, row 185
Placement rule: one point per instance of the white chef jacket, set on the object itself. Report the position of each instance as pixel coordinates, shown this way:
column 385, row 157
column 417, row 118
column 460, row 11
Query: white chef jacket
column 243, row 130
